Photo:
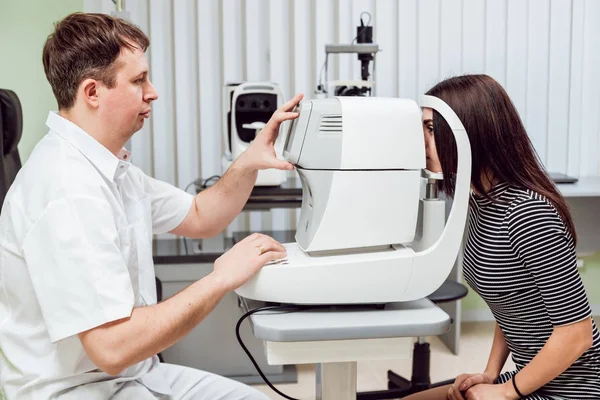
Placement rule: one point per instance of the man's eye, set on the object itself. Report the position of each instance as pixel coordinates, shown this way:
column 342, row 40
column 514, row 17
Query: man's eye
column 140, row 81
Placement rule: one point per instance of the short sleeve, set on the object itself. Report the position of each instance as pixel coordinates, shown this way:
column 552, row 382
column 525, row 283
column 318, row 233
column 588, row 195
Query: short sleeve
column 542, row 242
column 78, row 274
column 170, row 205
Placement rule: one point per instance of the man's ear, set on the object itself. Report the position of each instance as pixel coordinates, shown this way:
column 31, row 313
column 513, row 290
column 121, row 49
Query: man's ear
column 89, row 92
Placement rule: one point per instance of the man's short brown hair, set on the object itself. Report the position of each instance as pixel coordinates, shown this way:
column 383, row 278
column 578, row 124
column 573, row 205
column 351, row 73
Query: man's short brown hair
column 86, row 46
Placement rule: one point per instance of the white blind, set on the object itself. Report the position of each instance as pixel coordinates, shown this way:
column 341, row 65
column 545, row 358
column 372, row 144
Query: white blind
column 544, row 52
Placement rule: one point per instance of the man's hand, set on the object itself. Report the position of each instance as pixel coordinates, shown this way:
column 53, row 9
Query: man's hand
column 491, row 392
column 245, row 259
column 464, row 382
column 261, row 153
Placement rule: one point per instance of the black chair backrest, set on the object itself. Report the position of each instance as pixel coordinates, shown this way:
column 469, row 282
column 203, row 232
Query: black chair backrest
column 11, row 129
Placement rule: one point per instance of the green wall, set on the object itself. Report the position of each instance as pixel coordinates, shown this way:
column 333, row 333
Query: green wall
column 24, row 27
column 590, row 274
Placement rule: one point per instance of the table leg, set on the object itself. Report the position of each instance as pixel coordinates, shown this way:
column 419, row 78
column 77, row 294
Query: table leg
column 336, row 381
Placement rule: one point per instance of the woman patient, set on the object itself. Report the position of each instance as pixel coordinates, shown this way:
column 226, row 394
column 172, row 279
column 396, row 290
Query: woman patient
column 519, row 256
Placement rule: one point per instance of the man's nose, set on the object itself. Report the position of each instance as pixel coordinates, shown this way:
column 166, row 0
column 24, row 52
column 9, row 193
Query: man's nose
column 151, row 93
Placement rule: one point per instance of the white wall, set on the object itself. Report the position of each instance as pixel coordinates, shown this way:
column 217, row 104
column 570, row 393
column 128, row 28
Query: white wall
column 544, row 52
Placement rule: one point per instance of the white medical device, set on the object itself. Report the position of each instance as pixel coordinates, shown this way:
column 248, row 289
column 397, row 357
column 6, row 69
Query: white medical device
column 360, row 160
column 247, row 107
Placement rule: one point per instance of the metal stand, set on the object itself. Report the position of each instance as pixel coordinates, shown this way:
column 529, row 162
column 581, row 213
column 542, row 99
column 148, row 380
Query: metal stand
column 360, row 48
column 336, row 381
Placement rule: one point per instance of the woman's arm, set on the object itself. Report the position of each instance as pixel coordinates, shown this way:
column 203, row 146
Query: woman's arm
column 563, row 348
column 539, row 238
column 565, row 345
column 498, row 355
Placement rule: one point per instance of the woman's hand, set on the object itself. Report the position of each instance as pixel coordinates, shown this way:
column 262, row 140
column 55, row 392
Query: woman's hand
column 465, row 381
column 491, row 392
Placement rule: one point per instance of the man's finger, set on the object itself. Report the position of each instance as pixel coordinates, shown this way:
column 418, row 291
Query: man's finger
column 278, row 246
column 293, row 102
column 280, row 117
column 272, row 256
column 280, row 164
column 250, row 238
column 269, row 132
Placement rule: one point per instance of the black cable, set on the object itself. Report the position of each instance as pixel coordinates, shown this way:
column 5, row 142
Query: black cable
column 207, row 180
column 195, row 181
column 239, row 338
column 185, row 246
column 203, row 184
column 320, row 85
column 364, row 26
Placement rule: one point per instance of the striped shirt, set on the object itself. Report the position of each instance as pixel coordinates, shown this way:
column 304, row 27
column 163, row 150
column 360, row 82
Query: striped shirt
column 521, row 260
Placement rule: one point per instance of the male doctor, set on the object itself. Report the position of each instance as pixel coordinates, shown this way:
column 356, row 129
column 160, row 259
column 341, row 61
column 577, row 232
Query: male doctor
column 78, row 312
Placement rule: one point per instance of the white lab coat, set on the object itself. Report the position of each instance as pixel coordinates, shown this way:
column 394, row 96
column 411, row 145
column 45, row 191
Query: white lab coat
column 75, row 253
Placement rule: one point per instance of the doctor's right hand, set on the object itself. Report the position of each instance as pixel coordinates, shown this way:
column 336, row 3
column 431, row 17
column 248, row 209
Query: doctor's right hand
column 245, row 259
column 464, row 382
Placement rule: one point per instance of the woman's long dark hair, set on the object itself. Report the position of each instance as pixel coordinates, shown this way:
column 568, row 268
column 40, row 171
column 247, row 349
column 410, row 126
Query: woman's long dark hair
column 499, row 142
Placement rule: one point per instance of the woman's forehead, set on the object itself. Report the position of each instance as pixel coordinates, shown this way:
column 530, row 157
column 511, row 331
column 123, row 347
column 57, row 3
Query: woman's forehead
column 427, row 113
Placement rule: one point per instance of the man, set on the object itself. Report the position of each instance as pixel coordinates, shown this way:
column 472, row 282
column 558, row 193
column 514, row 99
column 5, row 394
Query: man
column 78, row 312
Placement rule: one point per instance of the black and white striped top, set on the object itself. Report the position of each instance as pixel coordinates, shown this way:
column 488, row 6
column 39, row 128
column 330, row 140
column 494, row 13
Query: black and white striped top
column 521, row 260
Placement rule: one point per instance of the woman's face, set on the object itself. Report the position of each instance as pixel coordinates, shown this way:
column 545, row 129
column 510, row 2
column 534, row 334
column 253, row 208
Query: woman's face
column 433, row 161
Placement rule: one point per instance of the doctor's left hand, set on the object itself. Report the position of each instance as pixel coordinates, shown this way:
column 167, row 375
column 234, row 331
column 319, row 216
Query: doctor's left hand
column 261, row 153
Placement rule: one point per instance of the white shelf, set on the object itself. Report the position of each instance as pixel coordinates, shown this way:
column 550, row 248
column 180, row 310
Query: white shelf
column 584, row 187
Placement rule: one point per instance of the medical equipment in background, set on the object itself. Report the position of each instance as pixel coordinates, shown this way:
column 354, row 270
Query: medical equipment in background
column 366, row 52
column 247, row 107
column 120, row 11
column 360, row 161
